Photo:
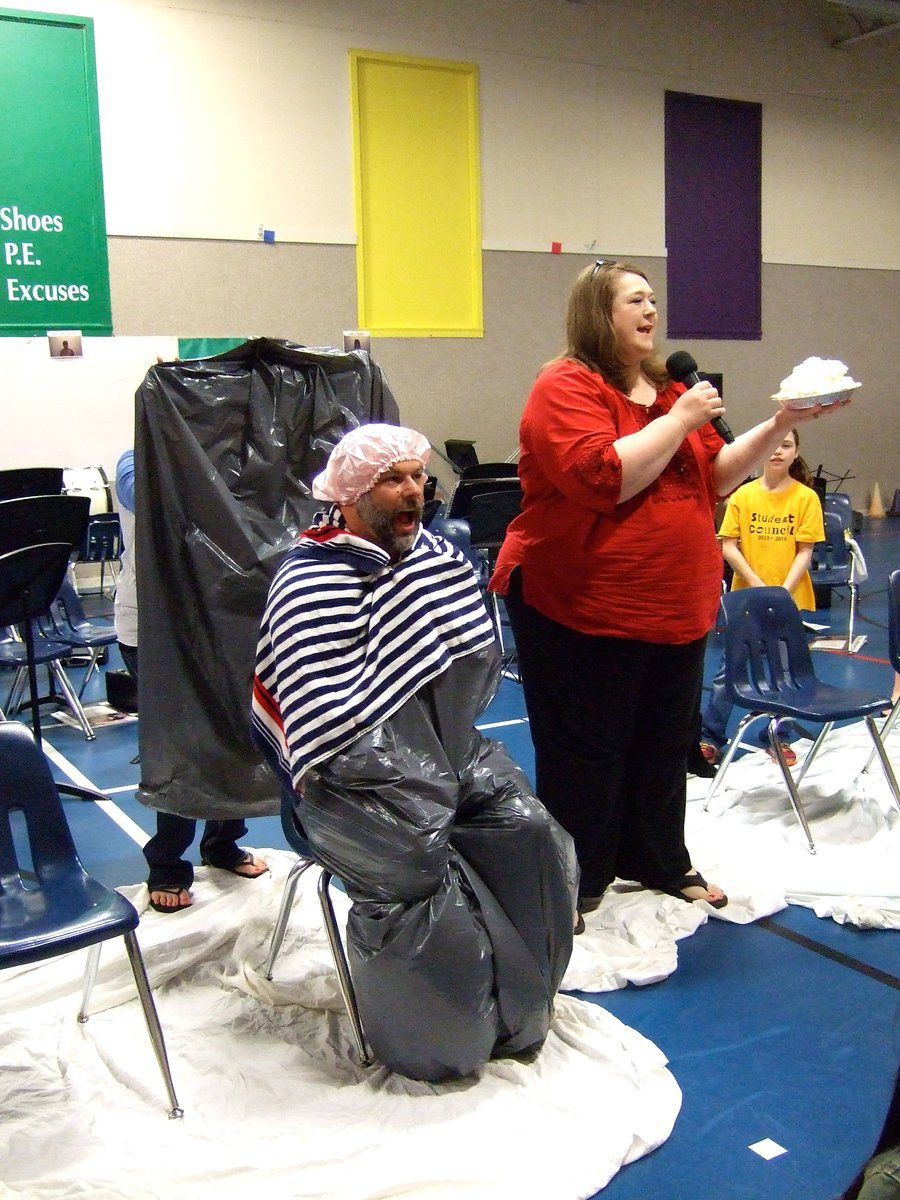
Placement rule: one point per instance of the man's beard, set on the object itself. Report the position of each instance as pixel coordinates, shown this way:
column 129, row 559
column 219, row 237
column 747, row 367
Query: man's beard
column 381, row 521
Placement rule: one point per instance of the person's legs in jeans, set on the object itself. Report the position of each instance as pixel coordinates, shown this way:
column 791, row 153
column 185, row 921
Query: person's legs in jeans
column 169, row 869
column 219, row 848
column 717, row 710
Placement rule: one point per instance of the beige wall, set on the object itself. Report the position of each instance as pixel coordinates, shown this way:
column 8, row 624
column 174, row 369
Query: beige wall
column 221, row 115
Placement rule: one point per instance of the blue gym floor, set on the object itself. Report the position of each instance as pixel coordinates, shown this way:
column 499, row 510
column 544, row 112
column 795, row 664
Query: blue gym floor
column 785, row 1029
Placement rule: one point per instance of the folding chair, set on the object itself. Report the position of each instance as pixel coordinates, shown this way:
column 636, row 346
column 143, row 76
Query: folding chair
column 37, row 536
column 489, row 516
column 834, row 565
column 102, row 542
column 769, row 672
column 893, row 594
column 297, row 841
column 68, row 621
column 49, row 905
column 39, row 650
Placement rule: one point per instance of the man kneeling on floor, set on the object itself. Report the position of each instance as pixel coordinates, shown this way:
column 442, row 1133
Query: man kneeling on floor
column 376, row 655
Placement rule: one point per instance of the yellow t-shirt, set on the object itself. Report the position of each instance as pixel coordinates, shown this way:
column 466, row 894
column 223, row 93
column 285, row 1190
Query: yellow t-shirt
column 768, row 526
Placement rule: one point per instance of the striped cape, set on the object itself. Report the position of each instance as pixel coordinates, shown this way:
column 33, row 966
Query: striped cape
column 347, row 638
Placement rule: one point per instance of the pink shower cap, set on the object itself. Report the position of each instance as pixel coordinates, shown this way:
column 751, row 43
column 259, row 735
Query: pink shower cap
column 362, row 455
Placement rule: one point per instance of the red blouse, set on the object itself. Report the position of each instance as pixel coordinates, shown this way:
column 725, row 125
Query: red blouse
column 649, row 569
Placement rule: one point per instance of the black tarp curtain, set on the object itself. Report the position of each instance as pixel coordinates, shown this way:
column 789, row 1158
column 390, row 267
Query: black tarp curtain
column 225, row 452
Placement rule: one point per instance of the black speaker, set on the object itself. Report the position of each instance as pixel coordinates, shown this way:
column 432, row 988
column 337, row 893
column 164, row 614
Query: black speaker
column 121, row 691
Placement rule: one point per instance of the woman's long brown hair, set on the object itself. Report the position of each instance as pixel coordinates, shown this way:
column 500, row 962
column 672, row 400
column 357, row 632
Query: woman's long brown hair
column 589, row 328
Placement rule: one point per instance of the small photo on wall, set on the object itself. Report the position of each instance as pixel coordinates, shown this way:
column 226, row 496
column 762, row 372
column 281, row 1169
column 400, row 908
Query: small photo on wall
column 64, row 343
column 357, row 339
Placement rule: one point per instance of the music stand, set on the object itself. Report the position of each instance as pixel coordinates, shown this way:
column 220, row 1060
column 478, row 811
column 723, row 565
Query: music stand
column 30, row 481
column 466, row 488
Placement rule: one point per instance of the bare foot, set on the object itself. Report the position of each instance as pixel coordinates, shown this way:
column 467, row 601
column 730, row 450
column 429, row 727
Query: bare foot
column 711, row 893
column 166, row 899
column 251, row 867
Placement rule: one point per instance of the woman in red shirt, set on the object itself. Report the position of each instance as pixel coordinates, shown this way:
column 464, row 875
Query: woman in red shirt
column 612, row 575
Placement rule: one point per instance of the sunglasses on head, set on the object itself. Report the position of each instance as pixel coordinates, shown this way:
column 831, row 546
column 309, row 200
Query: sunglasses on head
column 601, row 262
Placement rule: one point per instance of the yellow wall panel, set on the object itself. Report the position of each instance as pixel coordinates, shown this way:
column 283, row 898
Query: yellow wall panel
column 418, row 196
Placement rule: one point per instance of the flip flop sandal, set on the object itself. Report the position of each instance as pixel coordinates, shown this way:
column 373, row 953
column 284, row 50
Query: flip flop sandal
column 695, row 879
column 170, row 889
column 790, row 755
column 712, row 755
column 233, row 870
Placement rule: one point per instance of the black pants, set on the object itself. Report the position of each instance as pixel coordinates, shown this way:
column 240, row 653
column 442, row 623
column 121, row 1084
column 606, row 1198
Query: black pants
column 612, row 722
column 164, row 852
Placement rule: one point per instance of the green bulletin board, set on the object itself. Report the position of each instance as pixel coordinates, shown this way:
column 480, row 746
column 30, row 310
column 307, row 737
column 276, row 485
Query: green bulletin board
column 54, row 269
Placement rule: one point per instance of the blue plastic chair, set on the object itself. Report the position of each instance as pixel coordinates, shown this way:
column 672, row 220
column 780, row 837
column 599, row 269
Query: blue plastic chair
column 840, row 504
column 833, row 564
column 296, row 839
column 893, row 595
column 68, row 621
column 769, row 672
column 50, row 905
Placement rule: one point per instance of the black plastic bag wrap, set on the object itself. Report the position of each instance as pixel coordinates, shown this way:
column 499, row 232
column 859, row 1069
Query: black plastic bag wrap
column 463, row 885
column 225, row 451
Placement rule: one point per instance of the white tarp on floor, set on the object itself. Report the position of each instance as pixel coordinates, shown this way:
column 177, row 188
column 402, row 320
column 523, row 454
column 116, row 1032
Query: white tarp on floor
column 751, row 844
column 274, row 1102
column 751, row 840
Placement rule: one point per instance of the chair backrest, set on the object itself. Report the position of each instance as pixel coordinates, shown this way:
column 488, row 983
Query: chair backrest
column 26, row 784
column 831, row 558
column 489, row 515
column 70, row 602
column 893, row 592
column 102, row 539
column 840, row 504
column 766, row 651
column 30, row 481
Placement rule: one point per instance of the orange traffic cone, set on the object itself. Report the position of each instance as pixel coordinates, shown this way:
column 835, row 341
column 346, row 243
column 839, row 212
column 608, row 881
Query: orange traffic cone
column 876, row 507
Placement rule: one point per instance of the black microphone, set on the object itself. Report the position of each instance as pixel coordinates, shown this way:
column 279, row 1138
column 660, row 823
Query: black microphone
column 683, row 369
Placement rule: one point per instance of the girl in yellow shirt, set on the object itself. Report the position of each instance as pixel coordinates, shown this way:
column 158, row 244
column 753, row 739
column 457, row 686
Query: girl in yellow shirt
column 768, row 532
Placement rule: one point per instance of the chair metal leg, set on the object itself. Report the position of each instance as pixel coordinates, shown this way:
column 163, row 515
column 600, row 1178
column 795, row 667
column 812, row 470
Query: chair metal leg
column 852, row 618
column 146, row 998
column 287, row 900
column 17, row 691
column 152, row 1019
column 789, row 783
column 90, row 975
column 72, row 700
column 96, row 651
column 495, row 616
column 342, row 968
column 808, row 761
column 885, row 730
column 733, row 747
column 885, row 761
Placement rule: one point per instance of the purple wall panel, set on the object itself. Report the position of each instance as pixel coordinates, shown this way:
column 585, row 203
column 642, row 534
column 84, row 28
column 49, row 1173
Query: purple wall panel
column 713, row 217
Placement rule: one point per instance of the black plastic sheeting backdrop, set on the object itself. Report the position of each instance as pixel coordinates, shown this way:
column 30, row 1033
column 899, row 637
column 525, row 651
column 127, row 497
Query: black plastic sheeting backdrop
column 225, row 452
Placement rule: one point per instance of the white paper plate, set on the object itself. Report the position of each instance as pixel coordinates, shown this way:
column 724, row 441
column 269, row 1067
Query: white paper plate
column 799, row 402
